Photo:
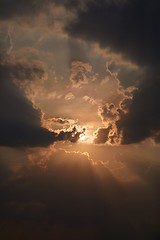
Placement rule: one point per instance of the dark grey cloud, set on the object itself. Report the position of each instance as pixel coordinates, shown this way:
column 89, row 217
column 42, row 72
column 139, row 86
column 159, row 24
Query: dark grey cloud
column 143, row 119
column 71, row 136
column 11, row 8
column 102, row 135
column 21, row 8
column 132, row 29
column 20, row 121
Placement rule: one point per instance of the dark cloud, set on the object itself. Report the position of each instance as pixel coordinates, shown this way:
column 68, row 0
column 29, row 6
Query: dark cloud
column 71, row 136
column 11, row 8
column 102, row 135
column 20, row 121
column 60, row 120
column 143, row 119
column 111, row 116
column 132, row 29
column 21, row 8
column 20, row 71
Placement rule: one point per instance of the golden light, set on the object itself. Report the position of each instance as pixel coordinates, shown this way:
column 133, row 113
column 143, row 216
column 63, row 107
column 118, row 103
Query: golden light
column 86, row 138
column 82, row 137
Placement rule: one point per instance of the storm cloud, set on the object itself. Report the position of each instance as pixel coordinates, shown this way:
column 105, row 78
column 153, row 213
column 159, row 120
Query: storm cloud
column 10, row 9
column 130, row 28
column 22, row 8
column 20, row 121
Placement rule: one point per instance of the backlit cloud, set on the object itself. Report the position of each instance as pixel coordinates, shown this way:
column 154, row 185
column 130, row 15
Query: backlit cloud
column 129, row 28
column 21, row 121
column 79, row 119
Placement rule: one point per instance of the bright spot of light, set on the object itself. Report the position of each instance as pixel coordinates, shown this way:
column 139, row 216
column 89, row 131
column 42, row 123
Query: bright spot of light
column 86, row 138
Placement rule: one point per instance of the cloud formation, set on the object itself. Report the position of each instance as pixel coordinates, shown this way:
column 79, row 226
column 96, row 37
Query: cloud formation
column 54, row 193
column 20, row 8
column 20, row 121
column 32, row 8
column 130, row 28
column 81, row 73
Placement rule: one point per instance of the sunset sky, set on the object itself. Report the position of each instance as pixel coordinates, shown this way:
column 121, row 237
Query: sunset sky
column 79, row 119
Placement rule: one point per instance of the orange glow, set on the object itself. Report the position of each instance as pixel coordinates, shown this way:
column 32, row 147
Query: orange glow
column 86, row 138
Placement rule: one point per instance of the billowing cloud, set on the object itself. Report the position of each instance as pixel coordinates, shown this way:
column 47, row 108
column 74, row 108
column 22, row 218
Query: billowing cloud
column 113, row 111
column 20, row 121
column 131, row 29
column 80, row 74
column 122, row 25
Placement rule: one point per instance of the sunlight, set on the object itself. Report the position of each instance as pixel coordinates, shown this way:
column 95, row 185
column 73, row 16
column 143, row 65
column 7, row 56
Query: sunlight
column 86, row 138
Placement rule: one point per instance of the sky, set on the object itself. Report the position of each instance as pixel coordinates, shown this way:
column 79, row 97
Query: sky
column 79, row 119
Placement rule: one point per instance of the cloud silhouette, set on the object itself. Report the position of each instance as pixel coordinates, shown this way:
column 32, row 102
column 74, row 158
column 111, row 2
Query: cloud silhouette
column 20, row 121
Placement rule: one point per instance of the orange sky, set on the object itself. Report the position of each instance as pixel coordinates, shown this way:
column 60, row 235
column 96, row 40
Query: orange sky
column 79, row 123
